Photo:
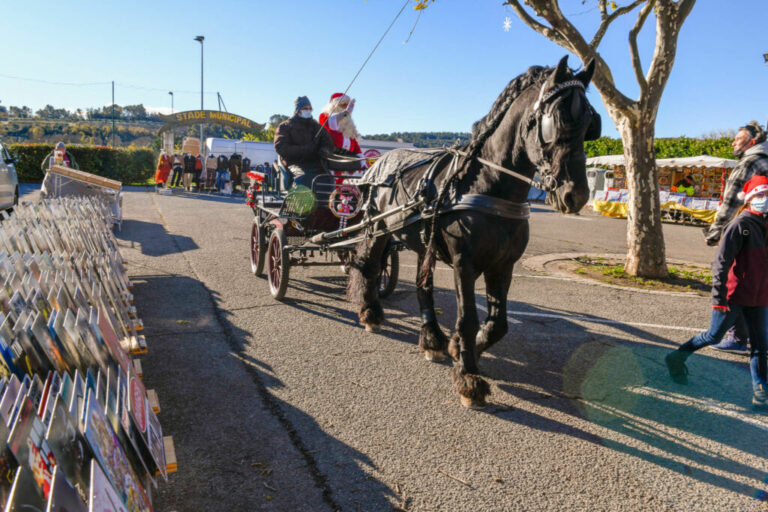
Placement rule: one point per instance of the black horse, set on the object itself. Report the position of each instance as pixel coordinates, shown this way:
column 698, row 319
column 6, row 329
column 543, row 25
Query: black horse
column 475, row 218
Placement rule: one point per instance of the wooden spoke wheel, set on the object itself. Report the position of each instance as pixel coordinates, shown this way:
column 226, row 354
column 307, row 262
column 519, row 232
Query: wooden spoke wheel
column 390, row 271
column 278, row 264
column 258, row 248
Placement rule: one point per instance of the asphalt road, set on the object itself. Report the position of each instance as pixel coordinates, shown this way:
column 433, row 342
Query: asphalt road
column 292, row 406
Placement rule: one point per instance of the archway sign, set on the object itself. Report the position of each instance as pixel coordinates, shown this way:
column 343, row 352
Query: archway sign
column 193, row 117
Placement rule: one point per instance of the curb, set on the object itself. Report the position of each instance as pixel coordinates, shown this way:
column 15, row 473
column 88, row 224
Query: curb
column 538, row 264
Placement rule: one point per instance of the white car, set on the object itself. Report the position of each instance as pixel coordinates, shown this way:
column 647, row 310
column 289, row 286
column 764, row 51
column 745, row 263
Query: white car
column 9, row 181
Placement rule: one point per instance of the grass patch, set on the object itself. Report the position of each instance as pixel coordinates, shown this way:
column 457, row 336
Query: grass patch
column 681, row 277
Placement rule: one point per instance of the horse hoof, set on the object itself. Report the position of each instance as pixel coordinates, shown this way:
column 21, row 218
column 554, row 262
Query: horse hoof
column 434, row 356
column 471, row 404
column 372, row 327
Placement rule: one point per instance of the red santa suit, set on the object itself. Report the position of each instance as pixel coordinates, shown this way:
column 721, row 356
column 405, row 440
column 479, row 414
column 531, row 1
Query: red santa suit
column 338, row 122
column 331, row 123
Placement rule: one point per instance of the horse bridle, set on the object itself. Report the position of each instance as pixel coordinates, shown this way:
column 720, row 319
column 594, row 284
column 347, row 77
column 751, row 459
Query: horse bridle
column 544, row 121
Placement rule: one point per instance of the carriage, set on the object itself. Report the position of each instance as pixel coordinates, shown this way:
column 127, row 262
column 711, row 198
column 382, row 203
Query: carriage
column 463, row 205
column 286, row 219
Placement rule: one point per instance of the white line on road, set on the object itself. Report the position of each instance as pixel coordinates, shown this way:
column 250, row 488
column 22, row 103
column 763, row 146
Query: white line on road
column 512, row 320
column 532, row 276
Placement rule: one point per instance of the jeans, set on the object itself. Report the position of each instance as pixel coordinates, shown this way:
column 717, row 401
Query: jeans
column 739, row 332
column 220, row 179
column 756, row 318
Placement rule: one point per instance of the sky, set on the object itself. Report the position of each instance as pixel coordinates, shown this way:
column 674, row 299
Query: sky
column 440, row 70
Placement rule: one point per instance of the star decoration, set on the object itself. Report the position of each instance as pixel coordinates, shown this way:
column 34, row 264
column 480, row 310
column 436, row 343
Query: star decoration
column 507, row 24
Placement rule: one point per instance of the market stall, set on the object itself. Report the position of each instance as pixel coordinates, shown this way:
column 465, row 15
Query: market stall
column 690, row 188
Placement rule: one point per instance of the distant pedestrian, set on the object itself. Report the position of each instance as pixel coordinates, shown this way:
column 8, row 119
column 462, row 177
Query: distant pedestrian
column 739, row 287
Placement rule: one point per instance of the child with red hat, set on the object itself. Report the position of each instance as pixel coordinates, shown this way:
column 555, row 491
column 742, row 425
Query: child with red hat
column 739, row 285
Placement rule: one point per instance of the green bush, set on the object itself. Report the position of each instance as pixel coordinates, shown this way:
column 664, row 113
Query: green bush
column 675, row 147
column 128, row 165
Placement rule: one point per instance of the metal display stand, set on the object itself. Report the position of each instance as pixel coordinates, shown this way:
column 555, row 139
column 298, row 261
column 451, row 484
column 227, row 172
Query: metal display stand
column 63, row 181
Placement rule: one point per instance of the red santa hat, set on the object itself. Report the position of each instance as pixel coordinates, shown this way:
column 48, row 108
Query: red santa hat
column 753, row 187
column 339, row 97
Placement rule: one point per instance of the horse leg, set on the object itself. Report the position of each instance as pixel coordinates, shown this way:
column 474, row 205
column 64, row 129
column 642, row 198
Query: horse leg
column 363, row 285
column 472, row 388
column 495, row 325
column 432, row 340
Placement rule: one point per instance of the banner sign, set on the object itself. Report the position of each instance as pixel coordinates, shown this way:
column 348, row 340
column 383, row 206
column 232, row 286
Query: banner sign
column 192, row 117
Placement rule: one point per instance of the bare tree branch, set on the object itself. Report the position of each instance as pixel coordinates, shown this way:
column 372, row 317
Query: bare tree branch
column 575, row 43
column 608, row 19
column 602, row 6
column 636, row 64
column 684, row 9
column 542, row 29
column 669, row 20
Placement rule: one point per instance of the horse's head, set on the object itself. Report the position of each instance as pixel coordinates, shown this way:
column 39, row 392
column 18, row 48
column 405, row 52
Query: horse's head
column 559, row 122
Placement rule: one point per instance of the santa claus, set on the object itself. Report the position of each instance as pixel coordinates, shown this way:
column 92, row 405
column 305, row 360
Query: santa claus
column 336, row 117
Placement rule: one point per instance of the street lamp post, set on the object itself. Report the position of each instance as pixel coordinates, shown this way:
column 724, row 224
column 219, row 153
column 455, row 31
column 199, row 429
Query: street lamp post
column 201, row 39
column 765, row 58
column 171, row 93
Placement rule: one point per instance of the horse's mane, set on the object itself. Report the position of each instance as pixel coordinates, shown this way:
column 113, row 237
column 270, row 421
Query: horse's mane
column 483, row 128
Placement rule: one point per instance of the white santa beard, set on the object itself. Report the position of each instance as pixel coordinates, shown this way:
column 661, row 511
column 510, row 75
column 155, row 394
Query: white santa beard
column 347, row 127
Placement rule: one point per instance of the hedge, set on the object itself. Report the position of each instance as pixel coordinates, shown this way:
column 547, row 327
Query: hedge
column 673, row 147
column 128, row 165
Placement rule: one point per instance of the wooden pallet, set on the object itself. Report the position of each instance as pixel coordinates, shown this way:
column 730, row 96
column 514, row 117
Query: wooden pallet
column 86, row 177
column 170, row 455
column 136, row 345
column 137, row 368
column 153, row 401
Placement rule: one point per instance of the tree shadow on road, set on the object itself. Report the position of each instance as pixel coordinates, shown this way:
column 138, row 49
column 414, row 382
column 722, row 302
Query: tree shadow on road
column 618, row 381
column 220, row 406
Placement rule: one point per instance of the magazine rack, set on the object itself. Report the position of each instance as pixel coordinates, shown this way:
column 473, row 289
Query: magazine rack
column 72, row 182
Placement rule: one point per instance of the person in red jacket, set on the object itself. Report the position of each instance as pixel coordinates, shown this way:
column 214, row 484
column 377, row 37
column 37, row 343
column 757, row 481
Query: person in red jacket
column 739, row 286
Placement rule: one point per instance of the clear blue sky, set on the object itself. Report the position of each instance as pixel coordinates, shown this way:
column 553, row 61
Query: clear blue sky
column 261, row 54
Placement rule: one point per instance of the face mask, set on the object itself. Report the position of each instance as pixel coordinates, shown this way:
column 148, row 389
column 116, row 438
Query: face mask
column 759, row 204
column 306, row 114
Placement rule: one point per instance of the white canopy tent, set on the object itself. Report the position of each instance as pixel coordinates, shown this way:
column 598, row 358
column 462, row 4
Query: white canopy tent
column 689, row 161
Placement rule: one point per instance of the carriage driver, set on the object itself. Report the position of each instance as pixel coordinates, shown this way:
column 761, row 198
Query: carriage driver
column 301, row 141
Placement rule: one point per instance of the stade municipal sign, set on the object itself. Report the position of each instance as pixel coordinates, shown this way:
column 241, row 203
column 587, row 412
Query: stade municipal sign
column 192, row 117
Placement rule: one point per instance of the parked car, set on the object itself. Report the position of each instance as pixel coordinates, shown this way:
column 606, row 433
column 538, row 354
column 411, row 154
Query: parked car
column 9, row 181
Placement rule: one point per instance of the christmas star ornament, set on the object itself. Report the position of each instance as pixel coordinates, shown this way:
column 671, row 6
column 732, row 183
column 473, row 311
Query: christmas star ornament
column 507, row 23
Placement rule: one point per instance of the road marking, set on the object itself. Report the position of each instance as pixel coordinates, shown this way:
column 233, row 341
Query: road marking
column 707, row 405
column 605, row 321
column 531, row 276
column 511, row 318
column 557, row 316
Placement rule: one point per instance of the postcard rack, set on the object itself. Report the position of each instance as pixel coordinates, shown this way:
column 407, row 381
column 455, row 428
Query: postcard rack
column 81, row 429
column 64, row 181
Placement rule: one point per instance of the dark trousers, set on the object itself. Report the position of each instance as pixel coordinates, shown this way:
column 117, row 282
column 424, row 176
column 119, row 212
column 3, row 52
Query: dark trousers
column 739, row 331
column 176, row 178
column 756, row 320
column 304, row 175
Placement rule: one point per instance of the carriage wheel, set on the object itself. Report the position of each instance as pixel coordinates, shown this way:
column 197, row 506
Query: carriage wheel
column 258, row 248
column 390, row 271
column 278, row 264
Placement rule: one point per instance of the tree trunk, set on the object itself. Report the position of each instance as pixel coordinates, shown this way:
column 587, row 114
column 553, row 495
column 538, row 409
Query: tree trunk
column 645, row 239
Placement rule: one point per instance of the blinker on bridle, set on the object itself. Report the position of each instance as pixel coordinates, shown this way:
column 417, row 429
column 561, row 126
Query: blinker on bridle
column 545, row 123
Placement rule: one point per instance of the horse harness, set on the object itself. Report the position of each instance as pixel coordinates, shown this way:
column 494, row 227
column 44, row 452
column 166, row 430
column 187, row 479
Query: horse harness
column 431, row 203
